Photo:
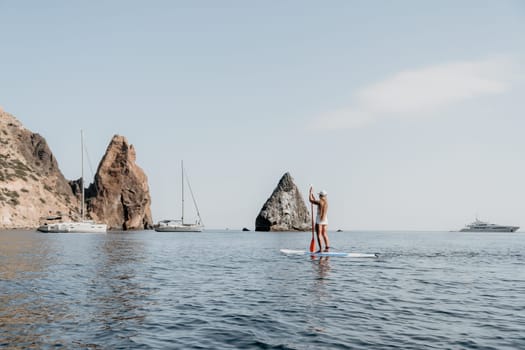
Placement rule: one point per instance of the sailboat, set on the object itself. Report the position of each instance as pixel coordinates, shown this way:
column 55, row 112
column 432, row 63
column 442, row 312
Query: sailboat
column 180, row 225
column 82, row 226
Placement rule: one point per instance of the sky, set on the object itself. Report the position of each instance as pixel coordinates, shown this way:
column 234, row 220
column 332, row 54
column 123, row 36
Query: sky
column 410, row 114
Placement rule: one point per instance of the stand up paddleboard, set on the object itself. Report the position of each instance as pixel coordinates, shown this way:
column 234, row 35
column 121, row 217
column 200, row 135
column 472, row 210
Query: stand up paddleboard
column 340, row 254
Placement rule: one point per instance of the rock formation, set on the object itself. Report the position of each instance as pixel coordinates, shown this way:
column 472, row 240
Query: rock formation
column 120, row 195
column 31, row 184
column 285, row 210
column 32, row 187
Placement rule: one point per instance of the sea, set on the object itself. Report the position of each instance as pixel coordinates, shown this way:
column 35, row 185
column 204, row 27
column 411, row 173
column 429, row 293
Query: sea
column 225, row 289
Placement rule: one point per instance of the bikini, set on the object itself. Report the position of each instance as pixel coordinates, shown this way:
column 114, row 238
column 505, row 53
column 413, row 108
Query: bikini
column 321, row 222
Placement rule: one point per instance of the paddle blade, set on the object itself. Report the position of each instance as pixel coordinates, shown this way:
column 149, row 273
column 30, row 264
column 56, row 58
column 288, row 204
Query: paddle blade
column 312, row 245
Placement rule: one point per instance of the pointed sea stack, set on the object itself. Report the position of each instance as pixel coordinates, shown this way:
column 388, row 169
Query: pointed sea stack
column 285, row 210
column 120, row 195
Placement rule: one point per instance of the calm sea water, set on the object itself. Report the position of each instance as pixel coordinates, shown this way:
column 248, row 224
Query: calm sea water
column 234, row 290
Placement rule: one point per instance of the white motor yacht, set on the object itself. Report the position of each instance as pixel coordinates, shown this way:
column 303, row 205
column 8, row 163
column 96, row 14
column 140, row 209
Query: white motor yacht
column 483, row 226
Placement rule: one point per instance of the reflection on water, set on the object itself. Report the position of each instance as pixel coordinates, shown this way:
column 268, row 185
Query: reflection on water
column 117, row 293
column 22, row 256
column 323, row 267
column 321, row 276
column 58, row 282
column 24, row 259
column 235, row 290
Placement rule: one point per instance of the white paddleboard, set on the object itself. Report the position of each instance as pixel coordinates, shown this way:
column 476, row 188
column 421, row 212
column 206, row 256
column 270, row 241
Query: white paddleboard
column 341, row 254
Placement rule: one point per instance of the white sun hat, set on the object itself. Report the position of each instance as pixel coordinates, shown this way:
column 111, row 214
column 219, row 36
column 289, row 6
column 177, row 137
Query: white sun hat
column 323, row 193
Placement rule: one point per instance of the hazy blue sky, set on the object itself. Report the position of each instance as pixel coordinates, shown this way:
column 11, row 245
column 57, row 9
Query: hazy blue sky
column 409, row 113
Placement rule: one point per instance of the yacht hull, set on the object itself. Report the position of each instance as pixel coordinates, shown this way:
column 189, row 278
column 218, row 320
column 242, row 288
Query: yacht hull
column 495, row 229
column 73, row 227
column 179, row 228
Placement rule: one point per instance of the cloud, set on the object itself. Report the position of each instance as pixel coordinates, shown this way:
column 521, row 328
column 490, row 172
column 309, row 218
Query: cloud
column 414, row 93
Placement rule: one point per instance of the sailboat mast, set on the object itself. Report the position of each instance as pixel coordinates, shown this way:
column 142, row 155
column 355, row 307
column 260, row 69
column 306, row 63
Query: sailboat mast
column 182, row 183
column 82, row 175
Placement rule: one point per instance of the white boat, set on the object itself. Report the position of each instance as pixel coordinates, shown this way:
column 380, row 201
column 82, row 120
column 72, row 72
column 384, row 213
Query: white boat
column 82, row 226
column 73, row 227
column 179, row 225
column 483, row 226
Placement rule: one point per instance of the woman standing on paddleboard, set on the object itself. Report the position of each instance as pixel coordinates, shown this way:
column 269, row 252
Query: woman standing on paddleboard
column 321, row 221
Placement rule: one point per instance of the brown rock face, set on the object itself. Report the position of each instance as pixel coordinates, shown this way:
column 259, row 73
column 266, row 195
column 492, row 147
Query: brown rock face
column 31, row 184
column 120, row 195
column 285, row 210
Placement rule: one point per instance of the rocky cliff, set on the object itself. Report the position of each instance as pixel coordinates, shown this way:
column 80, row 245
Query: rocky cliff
column 285, row 210
column 31, row 184
column 32, row 187
column 120, row 194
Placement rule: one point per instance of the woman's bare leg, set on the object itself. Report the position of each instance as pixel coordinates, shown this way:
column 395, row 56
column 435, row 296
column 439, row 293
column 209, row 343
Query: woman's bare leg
column 325, row 237
column 318, row 228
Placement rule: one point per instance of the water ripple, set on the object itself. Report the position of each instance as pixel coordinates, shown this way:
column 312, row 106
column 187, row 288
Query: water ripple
column 230, row 290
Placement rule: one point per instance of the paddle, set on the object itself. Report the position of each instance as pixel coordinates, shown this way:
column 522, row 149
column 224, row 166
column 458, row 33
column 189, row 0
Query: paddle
column 312, row 242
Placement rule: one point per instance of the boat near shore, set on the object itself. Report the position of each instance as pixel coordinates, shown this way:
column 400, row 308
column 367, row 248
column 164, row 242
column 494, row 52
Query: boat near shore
column 86, row 226
column 171, row 225
column 484, row 226
column 177, row 226
column 55, row 224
